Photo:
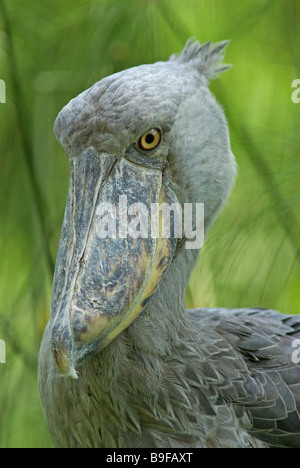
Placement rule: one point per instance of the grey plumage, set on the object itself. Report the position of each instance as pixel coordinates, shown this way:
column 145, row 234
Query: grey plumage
column 172, row 377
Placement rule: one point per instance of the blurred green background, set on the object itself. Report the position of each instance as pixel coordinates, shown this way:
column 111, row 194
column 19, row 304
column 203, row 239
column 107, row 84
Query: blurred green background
column 50, row 51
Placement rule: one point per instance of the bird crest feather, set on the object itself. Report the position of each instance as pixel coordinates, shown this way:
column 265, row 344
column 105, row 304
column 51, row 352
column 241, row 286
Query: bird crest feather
column 207, row 57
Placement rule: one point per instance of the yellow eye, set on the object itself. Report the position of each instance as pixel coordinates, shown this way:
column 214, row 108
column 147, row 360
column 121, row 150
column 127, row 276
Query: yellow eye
column 150, row 139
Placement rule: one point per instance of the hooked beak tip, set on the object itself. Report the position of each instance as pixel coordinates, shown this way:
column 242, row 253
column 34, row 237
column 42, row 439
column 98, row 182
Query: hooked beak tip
column 64, row 362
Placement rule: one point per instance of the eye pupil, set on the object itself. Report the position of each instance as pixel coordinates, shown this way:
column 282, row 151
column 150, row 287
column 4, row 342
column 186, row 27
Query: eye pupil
column 149, row 138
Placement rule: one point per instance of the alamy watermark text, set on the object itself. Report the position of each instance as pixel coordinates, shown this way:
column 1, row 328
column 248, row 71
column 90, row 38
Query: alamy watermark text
column 296, row 93
column 2, row 92
column 296, row 353
column 161, row 220
column 2, row 352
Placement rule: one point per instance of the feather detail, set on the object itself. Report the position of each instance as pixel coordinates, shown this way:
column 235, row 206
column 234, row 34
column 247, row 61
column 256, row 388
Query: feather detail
column 206, row 58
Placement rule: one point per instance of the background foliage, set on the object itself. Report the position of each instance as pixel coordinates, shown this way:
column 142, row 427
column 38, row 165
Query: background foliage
column 51, row 50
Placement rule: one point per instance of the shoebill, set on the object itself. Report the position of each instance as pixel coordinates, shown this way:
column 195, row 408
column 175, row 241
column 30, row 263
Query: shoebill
column 122, row 362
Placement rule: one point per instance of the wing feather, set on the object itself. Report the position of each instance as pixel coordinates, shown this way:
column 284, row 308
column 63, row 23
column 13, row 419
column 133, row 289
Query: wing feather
column 265, row 380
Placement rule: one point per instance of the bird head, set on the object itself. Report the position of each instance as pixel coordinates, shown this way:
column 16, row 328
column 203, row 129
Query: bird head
column 143, row 137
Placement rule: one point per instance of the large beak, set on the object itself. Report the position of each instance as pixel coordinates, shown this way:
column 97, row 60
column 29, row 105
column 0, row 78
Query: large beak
column 102, row 284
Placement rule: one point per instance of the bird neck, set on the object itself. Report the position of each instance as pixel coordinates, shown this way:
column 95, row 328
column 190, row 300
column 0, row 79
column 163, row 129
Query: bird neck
column 160, row 325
